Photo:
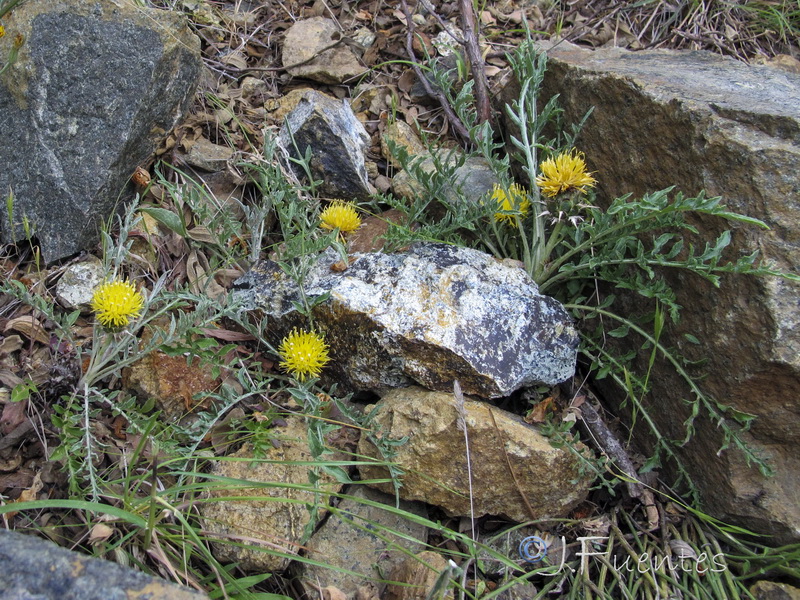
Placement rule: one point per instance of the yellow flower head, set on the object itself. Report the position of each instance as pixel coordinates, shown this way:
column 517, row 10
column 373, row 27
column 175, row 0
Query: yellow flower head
column 564, row 172
column 514, row 204
column 303, row 353
column 116, row 303
column 2, row 31
column 340, row 215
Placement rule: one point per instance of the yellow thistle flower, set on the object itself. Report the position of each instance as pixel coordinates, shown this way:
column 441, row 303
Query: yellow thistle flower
column 116, row 303
column 564, row 172
column 340, row 215
column 303, row 353
column 2, row 31
column 515, row 203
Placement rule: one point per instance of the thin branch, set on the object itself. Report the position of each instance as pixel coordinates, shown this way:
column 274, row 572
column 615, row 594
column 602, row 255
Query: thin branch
column 476, row 63
column 458, row 126
column 608, row 443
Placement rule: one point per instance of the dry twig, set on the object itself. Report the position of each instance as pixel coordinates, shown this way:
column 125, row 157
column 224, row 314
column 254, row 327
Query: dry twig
column 458, row 126
column 477, row 65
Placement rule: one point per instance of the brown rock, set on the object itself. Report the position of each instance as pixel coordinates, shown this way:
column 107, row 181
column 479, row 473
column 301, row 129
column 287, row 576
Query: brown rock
column 208, row 156
column 403, row 135
column 348, row 542
column 305, row 41
column 699, row 121
column 277, row 522
column 546, row 481
column 416, row 576
column 170, row 381
column 772, row 590
column 369, row 237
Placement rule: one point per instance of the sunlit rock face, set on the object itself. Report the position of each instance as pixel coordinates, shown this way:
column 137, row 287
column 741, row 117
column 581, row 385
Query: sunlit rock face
column 515, row 470
column 699, row 121
column 430, row 315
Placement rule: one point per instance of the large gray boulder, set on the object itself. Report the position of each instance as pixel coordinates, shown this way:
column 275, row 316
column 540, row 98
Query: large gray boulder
column 36, row 569
column 96, row 87
column 431, row 314
column 699, row 121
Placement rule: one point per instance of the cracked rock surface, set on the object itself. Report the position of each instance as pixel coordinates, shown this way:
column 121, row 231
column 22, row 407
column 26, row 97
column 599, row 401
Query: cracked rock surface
column 430, row 315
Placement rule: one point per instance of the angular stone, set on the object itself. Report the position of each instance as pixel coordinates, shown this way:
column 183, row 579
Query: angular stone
column 273, row 526
column 432, row 314
column 346, row 541
column 76, row 287
column 435, row 459
column 94, row 91
column 34, row 568
column 208, row 156
column 699, row 121
column 403, row 135
column 472, row 181
column 171, row 383
column 305, row 40
column 177, row 387
column 772, row 590
column 337, row 140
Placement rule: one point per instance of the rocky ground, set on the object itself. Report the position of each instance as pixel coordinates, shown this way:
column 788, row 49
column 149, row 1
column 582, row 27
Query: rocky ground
column 249, row 72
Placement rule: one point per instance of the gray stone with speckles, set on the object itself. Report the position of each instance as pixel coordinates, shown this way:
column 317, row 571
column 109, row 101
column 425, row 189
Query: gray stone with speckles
column 430, row 315
column 96, row 88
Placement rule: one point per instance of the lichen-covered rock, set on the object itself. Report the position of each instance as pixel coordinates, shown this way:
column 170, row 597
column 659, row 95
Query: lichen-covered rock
column 337, row 140
column 432, row 314
column 434, row 459
column 76, row 287
column 699, row 121
column 274, row 526
column 95, row 89
column 347, row 541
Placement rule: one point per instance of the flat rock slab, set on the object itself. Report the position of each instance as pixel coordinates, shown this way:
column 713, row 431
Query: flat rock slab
column 432, row 314
column 95, row 89
column 357, row 538
column 35, row 569
column 516, row 472
column 274, row 517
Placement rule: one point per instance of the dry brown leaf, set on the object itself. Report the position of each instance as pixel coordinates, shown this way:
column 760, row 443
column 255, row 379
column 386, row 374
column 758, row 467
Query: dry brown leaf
column 201, row 234
column 400, row 16
column 14, row 413
column 30, row 327
column 32, row 493
column 539, row 412
column 227, row 335
column 235, row 59
column 10, row 344
column 333, row 593
column 200, row 282
column 9, row 379
column 100, row 533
